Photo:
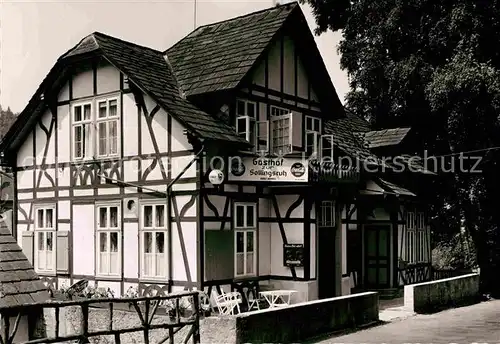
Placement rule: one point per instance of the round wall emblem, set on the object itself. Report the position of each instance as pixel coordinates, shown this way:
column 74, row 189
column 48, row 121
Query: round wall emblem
column 298, row 169
column 237, row 168
column 216, row 177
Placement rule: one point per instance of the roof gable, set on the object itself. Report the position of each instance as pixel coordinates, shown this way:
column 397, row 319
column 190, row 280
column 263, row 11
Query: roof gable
column 19, row 284
column 218, row 56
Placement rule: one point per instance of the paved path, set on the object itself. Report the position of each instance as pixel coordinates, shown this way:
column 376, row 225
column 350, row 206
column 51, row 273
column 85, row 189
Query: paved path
column 474, row 324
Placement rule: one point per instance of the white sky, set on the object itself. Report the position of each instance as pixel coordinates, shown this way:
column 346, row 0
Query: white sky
column 34, row 33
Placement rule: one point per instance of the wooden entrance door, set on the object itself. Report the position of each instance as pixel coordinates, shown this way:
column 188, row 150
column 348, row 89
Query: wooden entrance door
column 326, row 249
column 377, row 271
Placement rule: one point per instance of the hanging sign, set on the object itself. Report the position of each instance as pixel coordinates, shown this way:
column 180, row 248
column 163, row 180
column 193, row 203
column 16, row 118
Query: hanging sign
column 293, row 255
column 268, row 169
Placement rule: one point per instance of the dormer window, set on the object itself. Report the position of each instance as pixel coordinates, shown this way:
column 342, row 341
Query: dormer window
column 283, row 132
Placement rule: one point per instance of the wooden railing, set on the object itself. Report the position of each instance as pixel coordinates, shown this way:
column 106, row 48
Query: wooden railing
column 415, row 273
column 329, row 171
column 145, row 307
column 423, row 272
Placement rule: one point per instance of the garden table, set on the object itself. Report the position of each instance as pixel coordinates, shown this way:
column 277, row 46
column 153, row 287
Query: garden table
column 274, row 296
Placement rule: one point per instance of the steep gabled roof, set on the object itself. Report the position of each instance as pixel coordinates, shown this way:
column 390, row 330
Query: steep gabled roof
column 221, row 55
column 218, row 56
column 149, row 70
column 19, row 284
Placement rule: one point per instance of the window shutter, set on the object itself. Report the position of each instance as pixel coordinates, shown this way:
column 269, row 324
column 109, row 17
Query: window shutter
column 219, row 255
column 28, row 244
column 62, row 251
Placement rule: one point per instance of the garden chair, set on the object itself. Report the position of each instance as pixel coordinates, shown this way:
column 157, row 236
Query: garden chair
column 227, row 303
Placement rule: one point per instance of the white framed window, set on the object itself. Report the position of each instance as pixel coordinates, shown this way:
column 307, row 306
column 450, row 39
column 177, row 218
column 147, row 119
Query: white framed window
column 82, row 131
column 312, row 135
column 326, row 214
column 262, row 136
column 278, row 111
column 153, row 241
column 107, row 127
column 326, row 147
column 246, row 108
column 95, row 128
column 281, row 130
column 45, row 239
column 246, row 112
column 245, row 239
column 108, row 233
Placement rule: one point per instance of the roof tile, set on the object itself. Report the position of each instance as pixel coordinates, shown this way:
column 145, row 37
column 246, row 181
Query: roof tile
column 18, row 280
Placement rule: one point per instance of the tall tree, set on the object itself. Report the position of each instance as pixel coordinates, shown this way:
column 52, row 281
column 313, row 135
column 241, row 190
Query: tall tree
column 7, row 118
column 434, row 66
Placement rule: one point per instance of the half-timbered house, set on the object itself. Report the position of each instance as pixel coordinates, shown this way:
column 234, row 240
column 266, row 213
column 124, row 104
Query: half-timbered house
column 113, row 152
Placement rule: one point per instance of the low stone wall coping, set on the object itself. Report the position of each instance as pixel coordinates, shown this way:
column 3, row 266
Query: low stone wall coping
column 441, row 280
column 306, row 303
column 434, row 296
column 306, row 320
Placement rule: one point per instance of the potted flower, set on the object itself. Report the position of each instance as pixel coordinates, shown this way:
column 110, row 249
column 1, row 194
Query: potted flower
column 170, row 309
column 175, row 310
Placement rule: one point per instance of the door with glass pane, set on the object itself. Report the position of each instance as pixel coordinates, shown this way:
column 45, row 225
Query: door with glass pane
column 245, row 239
column 326, row 249
column 377, row 256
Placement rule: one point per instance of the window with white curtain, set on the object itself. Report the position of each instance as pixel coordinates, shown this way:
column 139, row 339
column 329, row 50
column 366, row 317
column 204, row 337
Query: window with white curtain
column 108, row 234
column 107, row 127
column 245, row 239
column 82, row 131
column 153, row 241
column 96, row 128
column 45, row 236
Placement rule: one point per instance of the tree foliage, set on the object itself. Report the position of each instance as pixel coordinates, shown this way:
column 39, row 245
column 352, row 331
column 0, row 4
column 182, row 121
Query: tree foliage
column 7, row 118
column 434, row 66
